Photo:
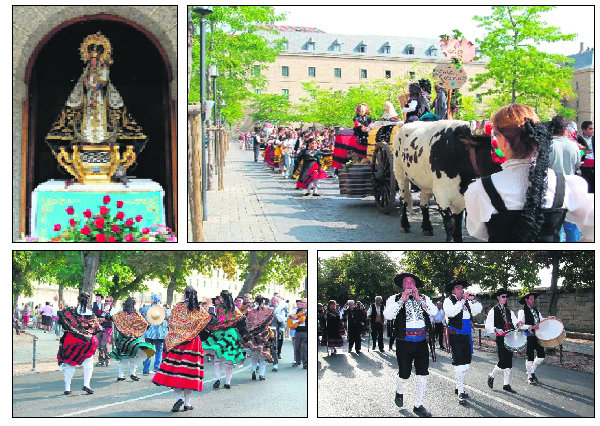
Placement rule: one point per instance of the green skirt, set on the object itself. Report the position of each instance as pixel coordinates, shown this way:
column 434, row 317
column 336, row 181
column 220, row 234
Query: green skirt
column 225, row 344
column 131, row 347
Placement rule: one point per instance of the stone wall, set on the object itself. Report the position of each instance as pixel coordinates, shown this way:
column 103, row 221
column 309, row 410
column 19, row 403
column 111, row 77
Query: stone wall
column 576, row 311
column 32, row 23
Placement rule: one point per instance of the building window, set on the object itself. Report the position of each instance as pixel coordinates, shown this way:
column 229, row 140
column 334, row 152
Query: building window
column 577, row 104
column 432, row 51
column 363, row 73
column 285, row 45
column 336, row 46
column 285, row 71
column 385, row 49
column 576, row 85
column 388, row 74
column 312, row 71
column 257, row 91
column 362, row 48
column 285, row 92
column 411, row 74
column 310, row 44
column 337, row 72
column 256, row 69
column 410, row 49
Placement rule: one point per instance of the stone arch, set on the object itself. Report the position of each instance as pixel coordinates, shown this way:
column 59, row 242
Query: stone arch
column 34, row 25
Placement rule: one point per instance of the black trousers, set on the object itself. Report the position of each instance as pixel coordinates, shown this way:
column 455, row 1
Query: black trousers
column 460, row 344
column 533, row 347
column 588, row 174
column 377, row 334
column 408, row 353
column 354, row 339
column 256, row 148
column 439, row 333
column 505, row 357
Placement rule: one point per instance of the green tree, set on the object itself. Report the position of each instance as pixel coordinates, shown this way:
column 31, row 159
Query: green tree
column 236, row 49
column 358, row 275
column 519, row 71
column 266, row 107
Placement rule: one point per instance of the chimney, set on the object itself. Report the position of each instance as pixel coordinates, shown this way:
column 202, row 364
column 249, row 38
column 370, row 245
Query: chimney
column 581, row 47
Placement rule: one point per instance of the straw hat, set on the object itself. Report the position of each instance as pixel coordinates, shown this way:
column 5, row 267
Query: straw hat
column 155, row 315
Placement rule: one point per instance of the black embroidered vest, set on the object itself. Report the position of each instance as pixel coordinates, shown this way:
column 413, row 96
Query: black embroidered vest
column 456, row 321
column 400, row 322
column 499, row 319
column 529, row 320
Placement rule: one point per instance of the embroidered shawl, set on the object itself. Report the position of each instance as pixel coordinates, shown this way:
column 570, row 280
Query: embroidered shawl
column 184, row 325
column 133, row 325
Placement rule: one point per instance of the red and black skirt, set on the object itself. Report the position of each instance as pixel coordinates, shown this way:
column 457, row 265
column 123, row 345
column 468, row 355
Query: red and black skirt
column 310, row 172
column 182, row 367
column 74, row 351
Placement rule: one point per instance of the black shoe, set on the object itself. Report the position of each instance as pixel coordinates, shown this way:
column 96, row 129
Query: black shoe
column 507, row 388
column 307, row 194
column 296, row 364
column 461, row 399
column 145, row 373
column 261, row 377
column 254, row 375
column 100, row 364
column 305, row 367
column 187, row 408
column 381, row 350
column 226, row 386
column 491, row 382
column 535, row 379
column 134, row 378
column 279, row 356
column 67, row 393
column 399, row 400
column 216, row 384
column 120, row 379
column 106, row 364
column 177, row 405
column 373, row 347
column 274, row 370
column 316, row 195
column 421, row 411
column 88, row 390
column 358, row 352
column 531, row 381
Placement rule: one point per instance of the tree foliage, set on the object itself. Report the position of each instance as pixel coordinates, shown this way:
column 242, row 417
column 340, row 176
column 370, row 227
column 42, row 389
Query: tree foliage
column 233, row 45
column 358, row 275
column 519, row 71
column 267, row 107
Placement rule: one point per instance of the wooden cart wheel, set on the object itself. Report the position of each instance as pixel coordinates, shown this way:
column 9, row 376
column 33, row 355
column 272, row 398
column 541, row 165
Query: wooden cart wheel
column 383, row 179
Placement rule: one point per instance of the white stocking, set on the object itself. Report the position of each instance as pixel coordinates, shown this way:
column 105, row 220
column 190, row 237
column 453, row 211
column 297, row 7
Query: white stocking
column 228, row 373
column 133, row 366
column 506, row 376
column 459, row 374
column 421, row 386
column 528, row 365
column 68, row 371
column 88, row 368
column 178, row 393
column 400, row 385
column 217, row 366
column 188, row 396
column 536, row 362
column 495, row 371
column 262, row 366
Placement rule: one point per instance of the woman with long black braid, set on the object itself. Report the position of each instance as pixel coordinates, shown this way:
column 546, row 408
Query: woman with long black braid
column 526, row 201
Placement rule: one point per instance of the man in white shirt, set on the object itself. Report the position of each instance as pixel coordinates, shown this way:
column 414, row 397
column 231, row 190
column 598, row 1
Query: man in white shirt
column 410, row 312
column 375, row 315
column 439, row 322
column 460, row 307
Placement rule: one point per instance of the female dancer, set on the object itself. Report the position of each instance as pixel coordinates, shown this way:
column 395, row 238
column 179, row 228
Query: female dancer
column 333, row 327
column 311, row 170
column 259, row 340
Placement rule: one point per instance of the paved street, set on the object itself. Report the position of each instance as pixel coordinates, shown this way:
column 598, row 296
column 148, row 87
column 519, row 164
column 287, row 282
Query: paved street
column 259, row 205
column 41, row 394
column 351, row 385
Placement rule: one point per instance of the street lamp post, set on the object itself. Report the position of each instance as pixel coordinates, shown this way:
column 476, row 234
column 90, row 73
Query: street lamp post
column 214, row 73
column 203, row 11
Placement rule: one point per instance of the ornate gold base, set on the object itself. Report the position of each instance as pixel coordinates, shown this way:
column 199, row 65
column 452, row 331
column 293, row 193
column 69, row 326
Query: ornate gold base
column 98, row 172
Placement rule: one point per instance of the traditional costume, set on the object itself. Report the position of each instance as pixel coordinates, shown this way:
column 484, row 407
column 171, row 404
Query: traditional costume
column 311, row 170
column 301, row 337
column 333, row 327
column 530, row 316
column 362, row 137
column 269, row 154
column 129, row 348
column 375, row 315
column 276, row 326
column 459, row 313
column 106, row 321
column 501, row 320
column 259, row 341
column 417, row 105
column 223, row 342
column 183, row 365
column 411, row 322
column 78, row 343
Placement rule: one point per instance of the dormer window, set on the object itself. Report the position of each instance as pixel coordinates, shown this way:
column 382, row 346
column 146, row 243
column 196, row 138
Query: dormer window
column 361, row 48
column 386, row 49
column 410, row 49
column 335, row 46
column 310, row 45
column 285, row 45
column 432, row 51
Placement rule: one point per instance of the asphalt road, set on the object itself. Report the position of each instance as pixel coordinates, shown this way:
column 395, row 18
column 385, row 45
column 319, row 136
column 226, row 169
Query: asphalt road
column 351, row 385
column 41, row 394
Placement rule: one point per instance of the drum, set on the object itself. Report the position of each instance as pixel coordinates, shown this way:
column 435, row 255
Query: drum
column 515, row 341
column 551, row 333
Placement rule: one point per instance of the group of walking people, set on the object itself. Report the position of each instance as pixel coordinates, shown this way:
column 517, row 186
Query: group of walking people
column 412, row 317
column 226, row 334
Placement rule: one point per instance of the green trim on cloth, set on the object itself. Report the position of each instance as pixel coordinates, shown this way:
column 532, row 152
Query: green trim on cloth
column 127, row 347
column 225, row 344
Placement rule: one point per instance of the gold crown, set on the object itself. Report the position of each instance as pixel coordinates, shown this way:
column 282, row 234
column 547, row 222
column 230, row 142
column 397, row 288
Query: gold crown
column 95, row 41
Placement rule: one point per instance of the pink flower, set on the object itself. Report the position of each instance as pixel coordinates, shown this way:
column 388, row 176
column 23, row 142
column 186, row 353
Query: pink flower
column 85, row 230
column 120, row 215
column 138, row 218
column 129, row 238
column 87, row 213
column 129, row 222
column 72, row 222
column 144, row 230
column 57, row 227
column 103, row 210
column 119, row 204
column 106, row 199
column 111, row 239
column 99, row 222
column 115, row 228
column 100, row 238
column 70, row 210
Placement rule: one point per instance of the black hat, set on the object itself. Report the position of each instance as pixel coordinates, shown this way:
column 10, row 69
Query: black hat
column 502, row 291
column 399, row 278
column 450, row 286
column 526, row 295
column 101, row 295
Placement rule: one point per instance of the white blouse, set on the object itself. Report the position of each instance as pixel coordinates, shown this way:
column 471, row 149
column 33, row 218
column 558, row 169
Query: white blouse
column 414, row 312
column 511, row 183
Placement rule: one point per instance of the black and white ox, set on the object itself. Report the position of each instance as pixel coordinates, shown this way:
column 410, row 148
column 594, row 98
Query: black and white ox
column 442, row 158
